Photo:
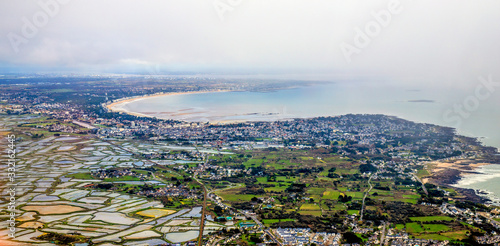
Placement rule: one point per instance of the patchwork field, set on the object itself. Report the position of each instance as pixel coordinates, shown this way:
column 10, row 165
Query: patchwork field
column 55, row 195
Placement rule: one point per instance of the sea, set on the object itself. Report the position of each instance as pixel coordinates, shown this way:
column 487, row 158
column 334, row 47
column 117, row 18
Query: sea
column 470, row 113
column 486, row 180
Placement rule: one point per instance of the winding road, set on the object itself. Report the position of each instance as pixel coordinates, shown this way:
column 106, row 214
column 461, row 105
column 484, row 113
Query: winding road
column 364, row 197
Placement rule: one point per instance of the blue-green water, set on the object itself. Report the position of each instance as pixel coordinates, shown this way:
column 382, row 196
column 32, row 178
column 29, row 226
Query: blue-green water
column 487, row 179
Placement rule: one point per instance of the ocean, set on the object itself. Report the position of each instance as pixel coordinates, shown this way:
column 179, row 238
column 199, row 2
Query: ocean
column 487, row 179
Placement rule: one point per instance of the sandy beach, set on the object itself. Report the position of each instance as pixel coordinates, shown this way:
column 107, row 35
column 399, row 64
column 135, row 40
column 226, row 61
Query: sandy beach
column 452, row 172
column 117, row 106
column 464, row 166
column 439, row 170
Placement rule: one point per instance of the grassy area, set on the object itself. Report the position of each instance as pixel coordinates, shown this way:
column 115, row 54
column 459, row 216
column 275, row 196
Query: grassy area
column 414, row 228
column 412, row 201
column 314, row 213
column 471, row 226
column 276, row 189
column 286, row 178
column 422, row 173
column 432, row 237
column 456, row 235
column 315, row 191
column 411, row 196
column 436, row 227
column 236, row 197
column 331, row 194
column 309, row 206
column 400, row 226
column 346, row 171
column 268, row 222
column 262, row 180
column 122, row 178
column 351, row 212
column 355, row 195
column 431, row 218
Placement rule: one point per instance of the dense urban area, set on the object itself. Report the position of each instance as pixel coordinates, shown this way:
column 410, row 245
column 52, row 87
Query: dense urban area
column 84, row 175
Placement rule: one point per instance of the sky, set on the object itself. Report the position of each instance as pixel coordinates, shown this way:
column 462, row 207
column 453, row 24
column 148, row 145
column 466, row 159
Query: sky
column 446, row 41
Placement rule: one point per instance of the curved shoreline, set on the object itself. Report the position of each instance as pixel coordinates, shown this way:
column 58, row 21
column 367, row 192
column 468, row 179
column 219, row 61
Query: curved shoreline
column 450, row 173
column 117, row 105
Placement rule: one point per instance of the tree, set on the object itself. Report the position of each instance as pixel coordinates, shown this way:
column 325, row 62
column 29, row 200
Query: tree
column 350, row 237
column 218, row 210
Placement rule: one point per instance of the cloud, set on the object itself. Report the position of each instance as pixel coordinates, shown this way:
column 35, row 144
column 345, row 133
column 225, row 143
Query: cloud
column 448, row 40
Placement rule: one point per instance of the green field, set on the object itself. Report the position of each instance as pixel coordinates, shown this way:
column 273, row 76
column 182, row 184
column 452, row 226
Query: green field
column 276, row 189
column 315, row 191
column 314, row 213
column 431, row 218
column 286, row 179
column 436, row 227
column 422, row 173
column 411, row 196
column 309, row 206
column 331, row 194
column 414, row 228
column 122, row 178
column 351, row 212
column 272, row 221
column 355, row 195
column 262, row 180
column 432, row 237
column 236, row 197
column 412, row 201
column 456, row 235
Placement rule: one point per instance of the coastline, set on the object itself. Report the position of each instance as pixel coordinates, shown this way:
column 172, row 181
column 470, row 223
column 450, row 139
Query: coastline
column 117, row 105
column 445, row 172
column 449, row 173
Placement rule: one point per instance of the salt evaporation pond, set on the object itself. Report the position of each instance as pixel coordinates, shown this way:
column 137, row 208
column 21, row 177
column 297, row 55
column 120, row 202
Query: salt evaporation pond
column 45, row 198
column 167, row 218
column 147, row 242
column 195, row 212
column 179, row 237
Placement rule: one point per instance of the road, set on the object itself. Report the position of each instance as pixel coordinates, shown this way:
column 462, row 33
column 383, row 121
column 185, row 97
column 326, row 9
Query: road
column 202, row 220
column 423, row 186
column 252, row 216
column 364, row 197
column 271, row 235
column 382, row 237
column 203, row 213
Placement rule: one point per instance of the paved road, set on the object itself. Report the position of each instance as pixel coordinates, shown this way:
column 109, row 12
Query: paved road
column 202, row 221
column 271, row 235
column 423, row 186
column 382, row 237
column 364, row 197
column 203, row 213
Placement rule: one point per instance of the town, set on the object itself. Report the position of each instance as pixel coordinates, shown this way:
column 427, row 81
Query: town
column 343, row 180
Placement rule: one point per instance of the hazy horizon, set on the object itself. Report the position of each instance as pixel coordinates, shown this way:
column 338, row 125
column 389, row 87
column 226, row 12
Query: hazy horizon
column 424, row 42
